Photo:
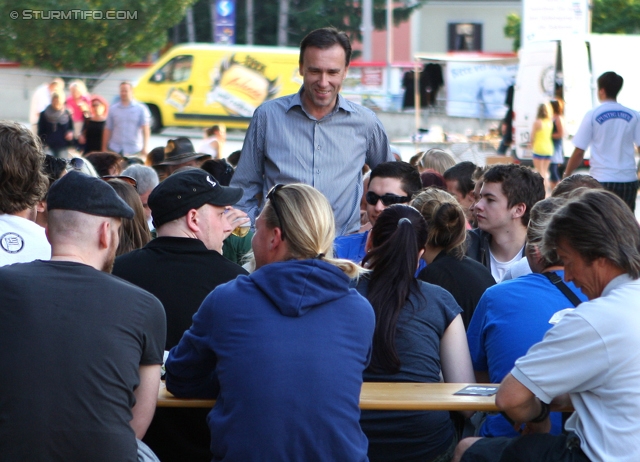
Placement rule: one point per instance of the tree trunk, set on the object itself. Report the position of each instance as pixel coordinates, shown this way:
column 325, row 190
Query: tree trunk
column 283, row 23
column 191, row 30
column 249, row 22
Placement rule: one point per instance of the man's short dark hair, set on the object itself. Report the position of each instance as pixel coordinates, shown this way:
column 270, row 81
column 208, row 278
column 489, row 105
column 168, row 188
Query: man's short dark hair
column 22, row 181
column 326, row 38
column 611, row 83
column 520, row 185
column 462, row 173
column 597, row 224
column 403, row 171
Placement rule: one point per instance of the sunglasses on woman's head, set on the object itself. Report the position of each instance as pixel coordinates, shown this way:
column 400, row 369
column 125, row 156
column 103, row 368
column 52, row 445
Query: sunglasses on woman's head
column 271, row 196
column 387, row 199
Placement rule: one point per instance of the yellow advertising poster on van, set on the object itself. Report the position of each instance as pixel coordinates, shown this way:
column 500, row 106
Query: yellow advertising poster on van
column 198, row 85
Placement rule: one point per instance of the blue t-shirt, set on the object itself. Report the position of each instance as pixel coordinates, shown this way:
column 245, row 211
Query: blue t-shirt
column 351, row 247
column 510, row 318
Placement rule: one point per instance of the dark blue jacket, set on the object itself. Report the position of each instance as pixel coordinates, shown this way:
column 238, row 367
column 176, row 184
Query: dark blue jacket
column 289, row 344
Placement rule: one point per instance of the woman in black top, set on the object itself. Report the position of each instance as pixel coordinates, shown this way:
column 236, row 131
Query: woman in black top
column 55, row 127
column 93, row 128
column 447, row 265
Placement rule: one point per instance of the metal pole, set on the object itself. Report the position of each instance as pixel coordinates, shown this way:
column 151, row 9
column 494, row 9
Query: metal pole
column 367, row 28
column 389, row 46
column 249, row 22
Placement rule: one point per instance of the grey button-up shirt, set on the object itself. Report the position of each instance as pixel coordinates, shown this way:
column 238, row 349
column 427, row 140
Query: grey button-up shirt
column 286, row 145
column 125, row 123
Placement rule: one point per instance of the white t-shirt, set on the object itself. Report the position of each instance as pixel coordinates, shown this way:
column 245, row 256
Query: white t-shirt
column 22, row 241
column 204, row 147
column 519, row 268
column 499, row 268
column 593, row 354
column 611, row 130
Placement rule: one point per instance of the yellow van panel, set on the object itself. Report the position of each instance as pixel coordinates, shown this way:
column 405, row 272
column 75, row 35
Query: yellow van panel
column 197, row 85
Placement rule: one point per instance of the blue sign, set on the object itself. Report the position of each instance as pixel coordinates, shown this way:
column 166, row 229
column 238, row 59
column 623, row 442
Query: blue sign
column 225, row 29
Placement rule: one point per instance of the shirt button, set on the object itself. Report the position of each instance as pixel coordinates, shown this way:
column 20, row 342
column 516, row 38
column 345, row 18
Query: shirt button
column 318, row 171
column 318, row 148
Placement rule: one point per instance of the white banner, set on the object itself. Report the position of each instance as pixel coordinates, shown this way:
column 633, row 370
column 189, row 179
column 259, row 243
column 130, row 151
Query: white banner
column 553, row 19
column 478, row 89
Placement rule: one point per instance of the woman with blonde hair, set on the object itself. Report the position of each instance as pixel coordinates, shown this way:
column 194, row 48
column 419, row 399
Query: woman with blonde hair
column 283, row 349
column 419, row 335
column 444, row 252
column 79, row 104
column 541, row 142
column 435, row 159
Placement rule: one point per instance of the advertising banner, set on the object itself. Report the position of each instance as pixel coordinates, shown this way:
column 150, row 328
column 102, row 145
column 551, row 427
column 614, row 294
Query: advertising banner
column 478, row 89
column 554, row 19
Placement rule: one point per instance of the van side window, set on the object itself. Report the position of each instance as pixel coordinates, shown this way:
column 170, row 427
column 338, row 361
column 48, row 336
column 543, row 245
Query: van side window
column 174, row 71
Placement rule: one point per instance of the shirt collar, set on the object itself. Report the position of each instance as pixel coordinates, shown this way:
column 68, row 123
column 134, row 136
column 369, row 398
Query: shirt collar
column 343, row 103
column 615, row 283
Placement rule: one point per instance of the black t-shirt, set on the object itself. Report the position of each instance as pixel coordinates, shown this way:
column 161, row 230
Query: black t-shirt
column 465, row 279
column 180, row 272
column 93, row 134
column 72, row 340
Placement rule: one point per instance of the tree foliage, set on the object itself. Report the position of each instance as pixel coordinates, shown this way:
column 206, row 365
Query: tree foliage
column 81, row 42
column 512, row 29
column 616, row 16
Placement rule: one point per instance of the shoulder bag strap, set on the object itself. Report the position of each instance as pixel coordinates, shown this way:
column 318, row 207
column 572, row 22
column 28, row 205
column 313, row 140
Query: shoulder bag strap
column 557, row 281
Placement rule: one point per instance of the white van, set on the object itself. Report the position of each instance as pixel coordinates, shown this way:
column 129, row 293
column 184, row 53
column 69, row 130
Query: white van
column 570, row 68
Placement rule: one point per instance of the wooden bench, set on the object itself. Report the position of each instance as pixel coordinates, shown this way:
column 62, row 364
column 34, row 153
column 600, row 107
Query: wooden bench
column 397, row 396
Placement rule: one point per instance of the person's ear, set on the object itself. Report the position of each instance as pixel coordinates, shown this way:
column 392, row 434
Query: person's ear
column 519, row 210
column 104, row 235
column 369, row 244
column 41, row 206
column 192, row 220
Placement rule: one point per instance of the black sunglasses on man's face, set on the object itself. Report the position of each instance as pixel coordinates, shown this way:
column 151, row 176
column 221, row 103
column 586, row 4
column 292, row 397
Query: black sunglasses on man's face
column 387, row 199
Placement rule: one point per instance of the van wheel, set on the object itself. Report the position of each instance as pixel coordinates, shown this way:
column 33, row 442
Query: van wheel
column 156, row 119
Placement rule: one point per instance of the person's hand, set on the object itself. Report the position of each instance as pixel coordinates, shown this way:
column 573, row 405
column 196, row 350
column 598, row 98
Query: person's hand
column 68, row 136
column 82, row 139
column 235, row 217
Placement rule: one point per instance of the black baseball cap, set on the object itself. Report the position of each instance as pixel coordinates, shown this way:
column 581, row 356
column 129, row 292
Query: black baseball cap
column 186, row 190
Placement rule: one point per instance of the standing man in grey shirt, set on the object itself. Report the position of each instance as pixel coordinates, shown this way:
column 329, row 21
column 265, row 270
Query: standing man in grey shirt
column 314, row 137
column 127, row 129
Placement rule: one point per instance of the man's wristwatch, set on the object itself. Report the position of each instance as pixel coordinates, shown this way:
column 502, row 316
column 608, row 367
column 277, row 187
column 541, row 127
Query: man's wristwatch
column 544, row 413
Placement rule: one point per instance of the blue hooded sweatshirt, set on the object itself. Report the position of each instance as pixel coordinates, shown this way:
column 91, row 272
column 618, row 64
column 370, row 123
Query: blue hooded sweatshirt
column 288, row 345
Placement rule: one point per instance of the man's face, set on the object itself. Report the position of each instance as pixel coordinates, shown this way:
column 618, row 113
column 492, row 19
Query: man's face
column 382, row 186
column 126, row 93
column 323, row 72
column 583, row 274
column 465, row 201
column 214, row 226
column 491, row 210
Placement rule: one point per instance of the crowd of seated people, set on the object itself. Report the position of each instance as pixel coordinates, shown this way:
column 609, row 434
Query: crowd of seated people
column 461, row 274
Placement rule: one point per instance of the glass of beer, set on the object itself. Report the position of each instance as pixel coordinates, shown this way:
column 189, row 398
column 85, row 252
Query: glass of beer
column 242, row 230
